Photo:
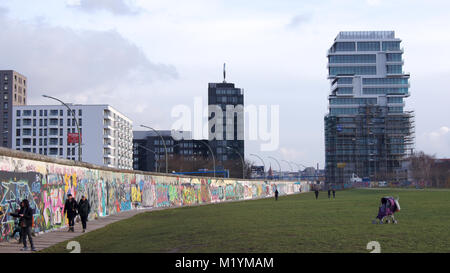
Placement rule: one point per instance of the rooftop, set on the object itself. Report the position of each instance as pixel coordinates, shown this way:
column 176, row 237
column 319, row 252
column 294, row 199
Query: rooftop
column 352, row 35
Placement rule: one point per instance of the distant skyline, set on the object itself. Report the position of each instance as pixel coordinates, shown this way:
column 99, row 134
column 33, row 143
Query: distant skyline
column 145, row 57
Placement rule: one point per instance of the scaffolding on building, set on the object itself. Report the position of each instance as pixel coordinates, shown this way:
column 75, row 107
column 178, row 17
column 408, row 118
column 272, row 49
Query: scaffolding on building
column 371, row 144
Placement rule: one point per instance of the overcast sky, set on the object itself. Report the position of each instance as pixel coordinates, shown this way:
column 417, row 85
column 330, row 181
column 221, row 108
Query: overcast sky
column 144, row 57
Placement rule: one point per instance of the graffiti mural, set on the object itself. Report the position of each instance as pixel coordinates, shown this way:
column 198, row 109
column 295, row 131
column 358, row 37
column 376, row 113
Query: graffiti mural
column 46, row 186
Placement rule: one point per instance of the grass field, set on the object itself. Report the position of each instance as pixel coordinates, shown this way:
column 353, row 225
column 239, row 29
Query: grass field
column 297, row 223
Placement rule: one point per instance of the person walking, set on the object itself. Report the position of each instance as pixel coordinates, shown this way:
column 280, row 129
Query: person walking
column 70, row 207
column 276, row 194
column 17, row 223
column 316, row 192
column 329, row 193
column 334, row 193
column 84, row 208
column 26, row 224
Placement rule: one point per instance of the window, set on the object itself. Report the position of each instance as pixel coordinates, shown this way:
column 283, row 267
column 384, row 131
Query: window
column 61, row 132
column 61, row 113
column 343, row 111
column 53, row 132
column 27, row 113
column 45, row 113
column 34, row 113
column 17, row 132
column 5, row 105
column 388, row 46
column 45, row 142
column 79, row 122
column 40, row 113
column 45, row 122
column 17, row 122
column 345, row 81
column 395, row 100
column 394, row 57
column 353, row 101
column 34, row 132
column 373, row 81
column 53, row 141
column 80, row 112
column 34, row 122
column 61, row 122
column 394, row 69
column 68, row 122
column 344, row 46
column 53, row 112
column 26, row 132
column 40, row 142
column 371, row 91
column 27, row 122
column 5, row 96
column 353, row 70
column 18, row 142
column 368, row 46
column 40, row 132
column 26, row 141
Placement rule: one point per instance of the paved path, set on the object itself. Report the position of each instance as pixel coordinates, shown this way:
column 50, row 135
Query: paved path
column 48, row 239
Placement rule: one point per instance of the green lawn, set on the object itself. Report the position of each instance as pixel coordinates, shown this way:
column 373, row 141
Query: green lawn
column 297, row 223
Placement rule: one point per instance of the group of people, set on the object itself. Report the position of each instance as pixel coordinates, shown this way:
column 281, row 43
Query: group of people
column 25, row 218
column 316, row 193
column 72, row 208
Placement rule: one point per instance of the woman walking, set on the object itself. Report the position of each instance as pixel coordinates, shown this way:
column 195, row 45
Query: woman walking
column 84, row 208
column 26, row 224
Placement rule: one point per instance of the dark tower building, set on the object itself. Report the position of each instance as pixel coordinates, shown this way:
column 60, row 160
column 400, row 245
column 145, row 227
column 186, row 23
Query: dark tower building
column 227, row 144
column 14, row 93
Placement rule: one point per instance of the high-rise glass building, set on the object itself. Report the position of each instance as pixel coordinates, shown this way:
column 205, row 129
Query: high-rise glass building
column 368, row 133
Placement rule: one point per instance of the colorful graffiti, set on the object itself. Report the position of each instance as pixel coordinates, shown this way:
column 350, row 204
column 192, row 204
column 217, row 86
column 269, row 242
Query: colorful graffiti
column 46, row 185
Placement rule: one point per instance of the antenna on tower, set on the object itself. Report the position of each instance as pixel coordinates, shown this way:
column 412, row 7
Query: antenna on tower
column 224, row 73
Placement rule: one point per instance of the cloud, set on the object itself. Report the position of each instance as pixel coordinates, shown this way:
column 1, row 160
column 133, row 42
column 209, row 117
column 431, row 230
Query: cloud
column 299, row 20
column 80, row 66
column 117, row 7
column 436, row 142
column 373, row 2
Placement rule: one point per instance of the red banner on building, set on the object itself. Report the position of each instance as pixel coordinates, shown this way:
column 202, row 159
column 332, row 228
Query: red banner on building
column 72, row 138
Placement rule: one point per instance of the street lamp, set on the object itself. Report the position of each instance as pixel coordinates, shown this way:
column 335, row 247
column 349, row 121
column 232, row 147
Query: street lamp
column 76, row 122
column 264, row 171
column 154, row 153
column 242, row 158
column 279, row 165
column 165, row 147
column 212, row 154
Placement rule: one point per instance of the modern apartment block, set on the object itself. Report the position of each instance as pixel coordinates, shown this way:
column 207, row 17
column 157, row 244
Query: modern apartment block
column 149, row 151
column 226, row 145
column 106, row 134
column 367, row 130
column 14, row 93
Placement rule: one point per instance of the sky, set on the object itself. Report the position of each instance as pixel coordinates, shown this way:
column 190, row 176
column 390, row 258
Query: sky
column 145, row 57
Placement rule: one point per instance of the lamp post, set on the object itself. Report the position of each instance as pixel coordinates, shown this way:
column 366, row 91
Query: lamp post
column 165, row 147
column 76, row 122
column 279, row 165
column 154, row 153
column 264, row 165
column 212, row 154
column 242, row 159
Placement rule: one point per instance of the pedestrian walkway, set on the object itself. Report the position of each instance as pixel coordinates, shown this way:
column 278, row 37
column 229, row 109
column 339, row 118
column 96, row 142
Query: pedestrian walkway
column 48, row 239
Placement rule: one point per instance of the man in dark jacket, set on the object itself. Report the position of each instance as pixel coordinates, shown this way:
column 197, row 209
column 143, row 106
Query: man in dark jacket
column 26, row 223
column 84, row 208
column 17, row 223
column 70, row 207
column 276, row 194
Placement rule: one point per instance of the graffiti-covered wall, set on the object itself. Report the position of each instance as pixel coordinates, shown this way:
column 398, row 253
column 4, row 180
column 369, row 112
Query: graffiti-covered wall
column 46, row 183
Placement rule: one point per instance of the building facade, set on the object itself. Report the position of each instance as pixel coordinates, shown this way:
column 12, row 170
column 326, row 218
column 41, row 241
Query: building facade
column 368, row 132
column 106, row 134
column 226, row 133
column 14, row 93
column 149, row 151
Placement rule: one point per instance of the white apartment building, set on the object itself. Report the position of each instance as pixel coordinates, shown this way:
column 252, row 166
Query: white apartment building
column 106, row 134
